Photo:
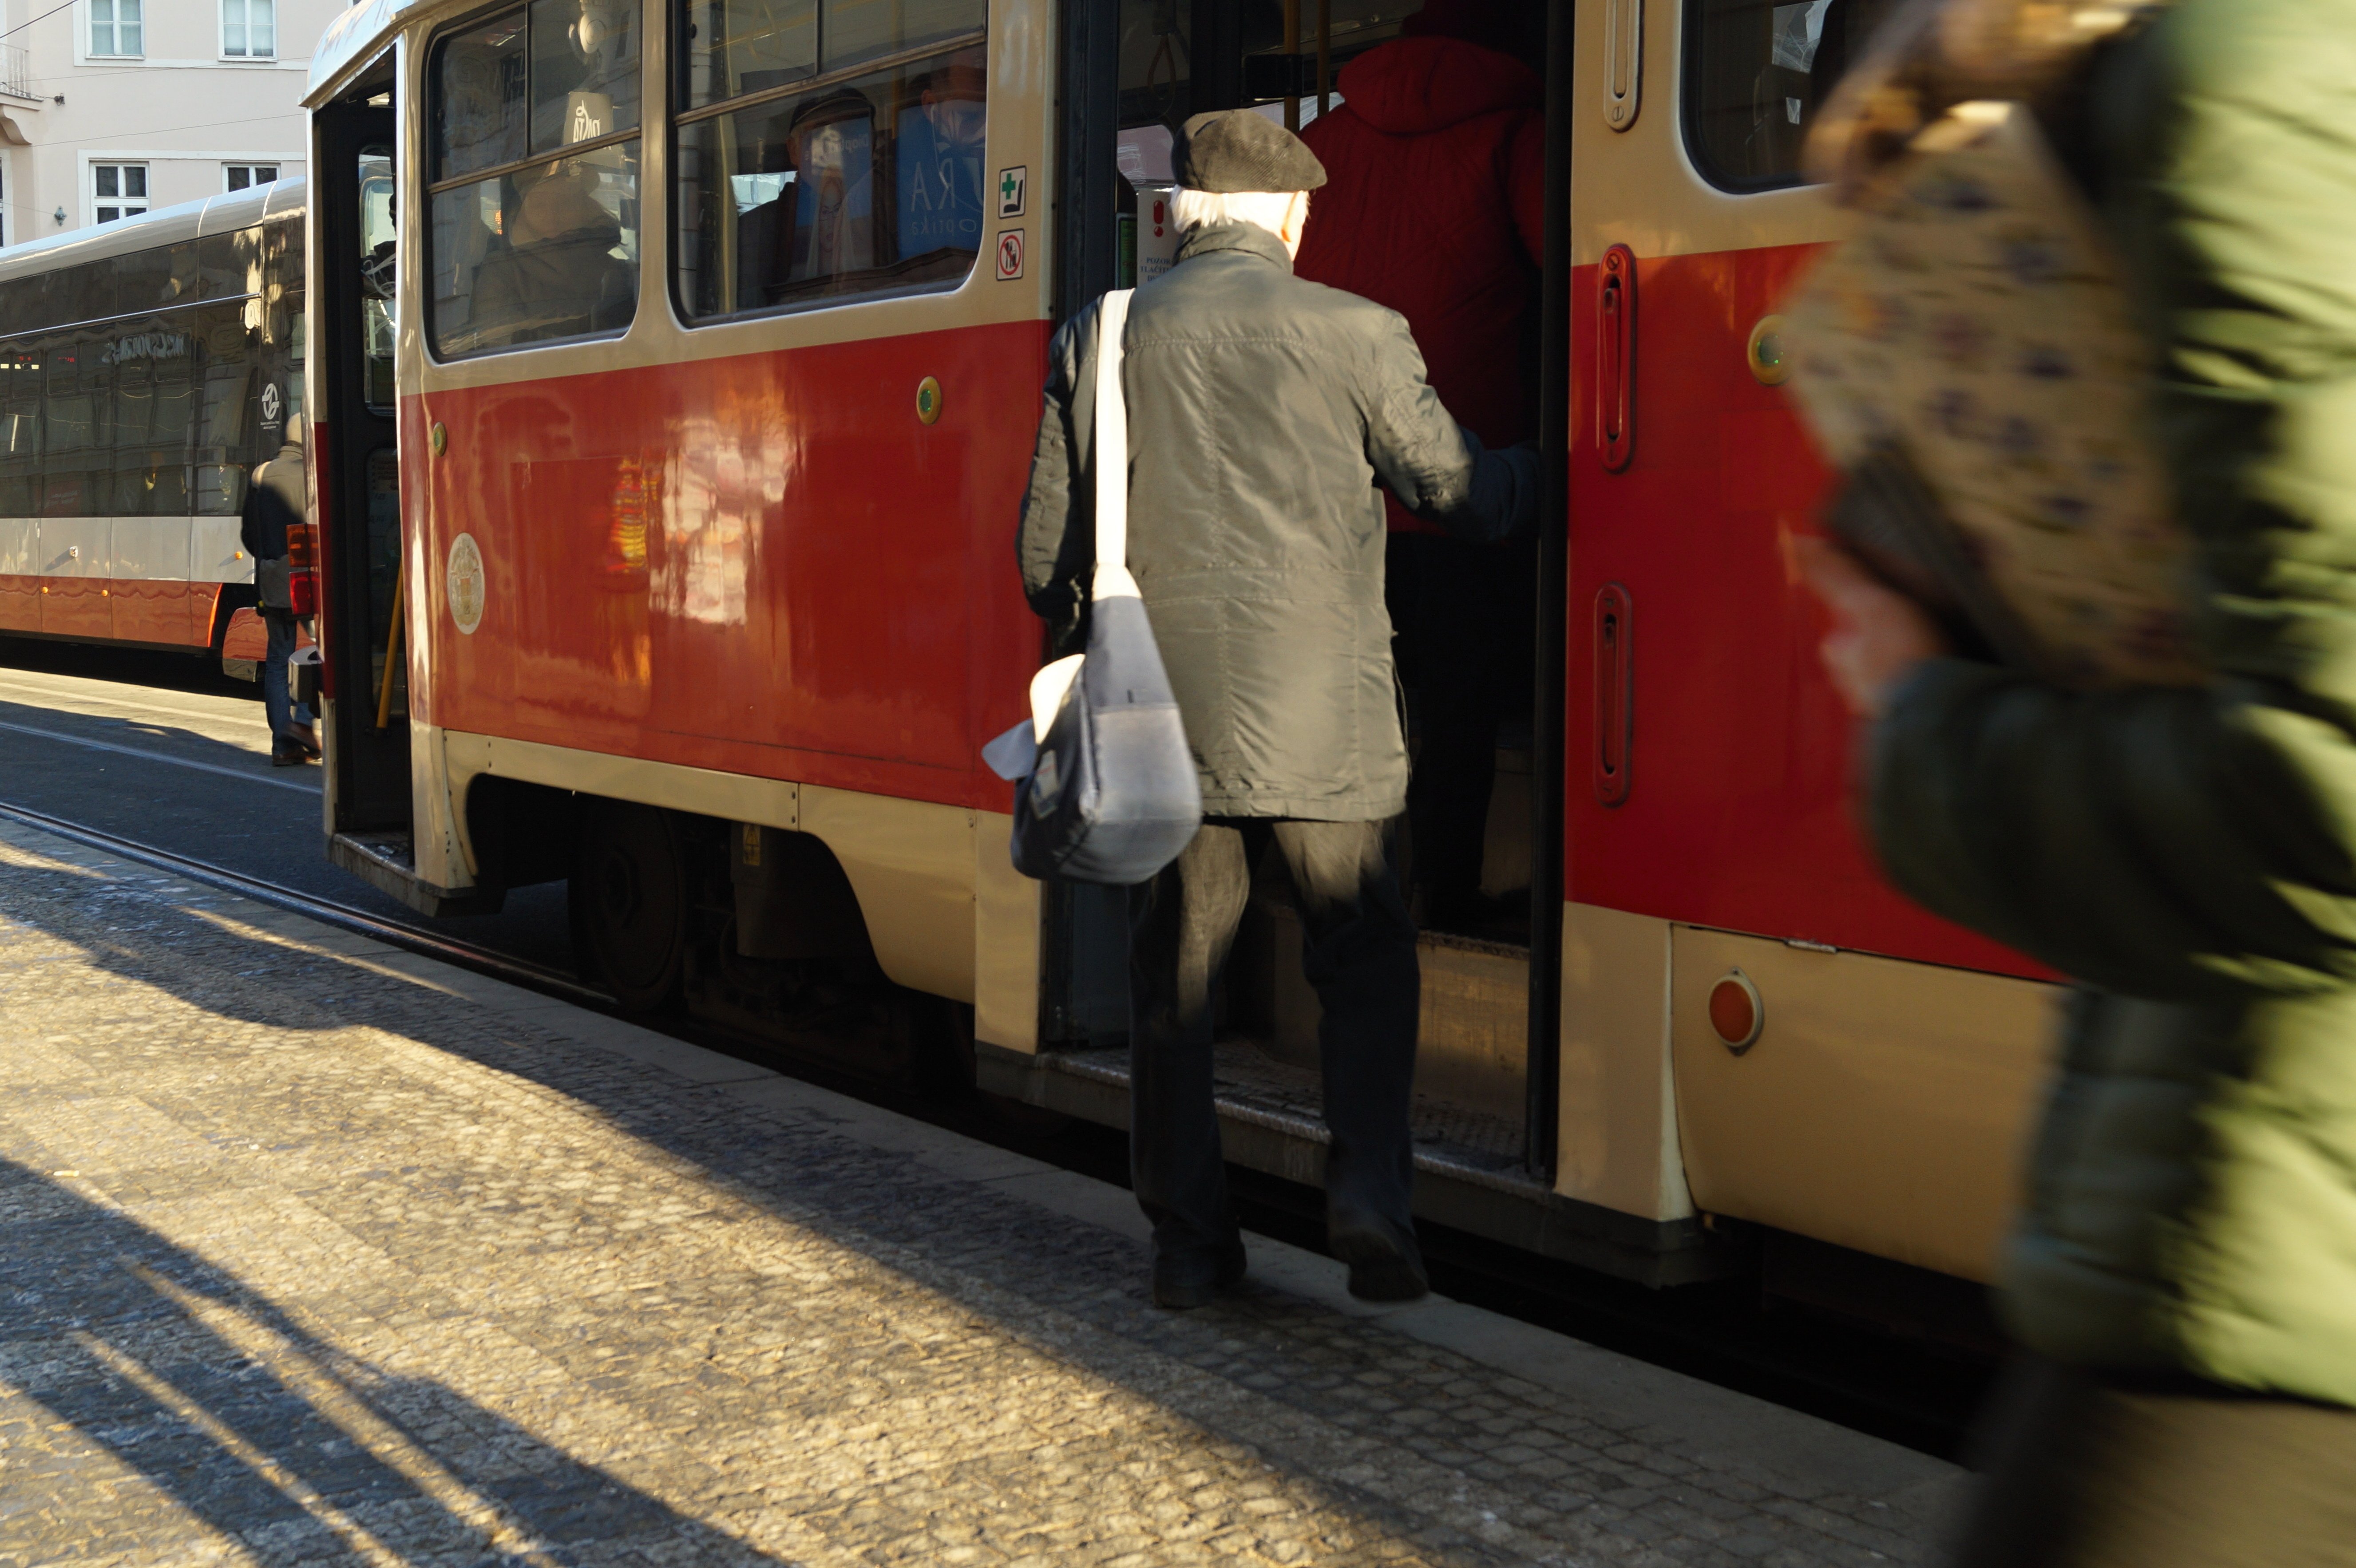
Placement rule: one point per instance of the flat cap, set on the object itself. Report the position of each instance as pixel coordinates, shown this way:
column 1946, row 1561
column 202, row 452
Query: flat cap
column 1231, row 150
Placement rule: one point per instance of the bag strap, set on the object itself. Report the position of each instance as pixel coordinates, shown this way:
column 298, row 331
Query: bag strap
column 1112, row 576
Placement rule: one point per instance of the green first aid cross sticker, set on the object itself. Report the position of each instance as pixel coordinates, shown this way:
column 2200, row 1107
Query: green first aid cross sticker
column 1012, row 184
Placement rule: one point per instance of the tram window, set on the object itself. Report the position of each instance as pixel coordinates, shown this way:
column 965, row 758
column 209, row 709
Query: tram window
column 379, row 247
column 804, row 180
column 479, row 112
column 585, row 70
column 542, row 242
column 1757, row 73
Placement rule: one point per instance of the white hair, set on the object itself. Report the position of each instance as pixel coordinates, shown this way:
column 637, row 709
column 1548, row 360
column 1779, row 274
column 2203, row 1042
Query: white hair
column 1192, row 209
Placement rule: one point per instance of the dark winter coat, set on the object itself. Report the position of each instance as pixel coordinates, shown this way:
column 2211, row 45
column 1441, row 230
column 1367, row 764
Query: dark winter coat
column 2190, row 855
column 1262, row 411
column 1434, row 204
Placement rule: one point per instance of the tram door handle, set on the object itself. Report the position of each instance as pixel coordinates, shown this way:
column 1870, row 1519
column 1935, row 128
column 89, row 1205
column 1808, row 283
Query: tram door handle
column 1615, row 347
column 1615, row 691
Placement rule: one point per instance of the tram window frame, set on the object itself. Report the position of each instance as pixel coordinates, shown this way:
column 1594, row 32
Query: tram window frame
column 589, row 152
column 813, row 103
column 1696, row 69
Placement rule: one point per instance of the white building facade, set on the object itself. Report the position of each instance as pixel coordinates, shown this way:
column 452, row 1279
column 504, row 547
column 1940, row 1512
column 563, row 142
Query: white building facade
column 109, row 107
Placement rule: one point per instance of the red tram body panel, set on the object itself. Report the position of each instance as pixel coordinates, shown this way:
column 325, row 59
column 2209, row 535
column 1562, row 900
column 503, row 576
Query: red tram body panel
column 767, row 567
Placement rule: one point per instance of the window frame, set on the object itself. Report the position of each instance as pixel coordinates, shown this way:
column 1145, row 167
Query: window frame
column 253, row 175
column 114, row 26
column 427, row 187
column 677, row 118
column 1691, row 31
column 147, row 201
column 249, row 52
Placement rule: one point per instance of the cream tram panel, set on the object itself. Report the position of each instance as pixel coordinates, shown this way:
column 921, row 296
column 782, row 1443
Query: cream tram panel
column 1885, row 1105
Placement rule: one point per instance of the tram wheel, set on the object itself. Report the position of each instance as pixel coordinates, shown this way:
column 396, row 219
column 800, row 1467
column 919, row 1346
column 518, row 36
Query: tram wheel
column 629, row 902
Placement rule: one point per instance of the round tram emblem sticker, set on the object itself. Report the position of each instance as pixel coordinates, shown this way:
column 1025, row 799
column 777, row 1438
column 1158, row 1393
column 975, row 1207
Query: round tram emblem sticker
column 463, row 578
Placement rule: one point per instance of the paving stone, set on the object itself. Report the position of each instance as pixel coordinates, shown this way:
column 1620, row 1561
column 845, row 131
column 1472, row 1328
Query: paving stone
column 316, row 1253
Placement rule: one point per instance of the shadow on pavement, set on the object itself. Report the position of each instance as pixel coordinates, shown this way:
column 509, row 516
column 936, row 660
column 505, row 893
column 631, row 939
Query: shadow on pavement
column 158, row 1360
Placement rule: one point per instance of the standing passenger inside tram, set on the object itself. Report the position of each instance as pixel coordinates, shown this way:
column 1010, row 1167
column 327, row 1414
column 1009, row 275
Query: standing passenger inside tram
column 1434, row 206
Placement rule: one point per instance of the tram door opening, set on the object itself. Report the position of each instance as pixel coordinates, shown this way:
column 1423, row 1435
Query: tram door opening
column 1465, row 617
column 354, row 213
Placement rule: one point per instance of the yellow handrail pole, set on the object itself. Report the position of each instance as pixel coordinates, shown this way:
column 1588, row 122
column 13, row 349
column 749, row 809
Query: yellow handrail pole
column 391, row 647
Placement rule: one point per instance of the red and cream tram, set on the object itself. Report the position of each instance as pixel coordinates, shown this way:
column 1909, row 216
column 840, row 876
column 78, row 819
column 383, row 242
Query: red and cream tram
column 669, row 552
column 146, row 365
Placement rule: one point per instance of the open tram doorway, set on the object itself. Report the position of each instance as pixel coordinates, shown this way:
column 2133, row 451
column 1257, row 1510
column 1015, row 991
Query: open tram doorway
column 354, row 218
column 1134, row 70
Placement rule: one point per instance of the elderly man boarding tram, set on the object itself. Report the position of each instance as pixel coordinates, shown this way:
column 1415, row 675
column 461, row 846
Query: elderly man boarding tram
column 1263, row 409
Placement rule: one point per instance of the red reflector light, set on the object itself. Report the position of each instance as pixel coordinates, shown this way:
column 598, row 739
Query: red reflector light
column 1735, row 1011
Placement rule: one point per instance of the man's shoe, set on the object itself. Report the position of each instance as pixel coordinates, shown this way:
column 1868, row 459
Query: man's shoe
column 287, row 754
column 1193, row 1277
column 1385, row 1264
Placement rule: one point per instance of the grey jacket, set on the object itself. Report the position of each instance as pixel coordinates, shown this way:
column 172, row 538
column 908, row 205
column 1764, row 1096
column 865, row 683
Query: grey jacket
column 1263, row 410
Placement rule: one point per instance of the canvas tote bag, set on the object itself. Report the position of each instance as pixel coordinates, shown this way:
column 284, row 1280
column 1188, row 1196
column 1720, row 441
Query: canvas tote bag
column 1105, row 787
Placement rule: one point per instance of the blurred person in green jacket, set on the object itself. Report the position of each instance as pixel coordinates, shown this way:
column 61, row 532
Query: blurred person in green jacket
column 2182, row 1281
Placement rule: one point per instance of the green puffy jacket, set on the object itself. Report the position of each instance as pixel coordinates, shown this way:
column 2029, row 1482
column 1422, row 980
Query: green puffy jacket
column 2190, row 856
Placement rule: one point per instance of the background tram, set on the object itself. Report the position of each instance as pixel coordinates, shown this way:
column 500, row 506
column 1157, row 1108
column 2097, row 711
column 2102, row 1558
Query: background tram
column 145, row 366
column 668, row 553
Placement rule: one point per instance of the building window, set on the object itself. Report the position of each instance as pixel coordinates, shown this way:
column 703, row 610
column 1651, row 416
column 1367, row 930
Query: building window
column 115, row 27
column 249, row 28
column 118, row 190
column 237, row 176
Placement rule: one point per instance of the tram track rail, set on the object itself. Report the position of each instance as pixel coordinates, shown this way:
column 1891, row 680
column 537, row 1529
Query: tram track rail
column 448, row 950
column 1917, row 1393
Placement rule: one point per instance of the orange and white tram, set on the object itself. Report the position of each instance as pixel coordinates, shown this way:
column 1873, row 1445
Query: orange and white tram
column 146, row 365
column 669, row 552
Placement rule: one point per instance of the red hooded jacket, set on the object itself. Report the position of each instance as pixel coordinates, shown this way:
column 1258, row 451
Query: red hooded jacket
column 1434, row 206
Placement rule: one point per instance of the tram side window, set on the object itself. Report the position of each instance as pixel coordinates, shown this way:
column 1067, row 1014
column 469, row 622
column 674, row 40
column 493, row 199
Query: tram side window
column 69, row 437
column 535, row 177
column 153, row 402
column 20, row 433
column 804, row 178
column 1757, row 74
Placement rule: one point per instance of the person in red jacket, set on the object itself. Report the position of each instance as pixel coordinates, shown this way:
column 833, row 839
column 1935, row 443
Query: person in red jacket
column 1433, row 206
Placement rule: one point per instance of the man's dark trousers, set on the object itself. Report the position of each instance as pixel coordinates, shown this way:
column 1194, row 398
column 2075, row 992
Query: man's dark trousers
column 1358, row 950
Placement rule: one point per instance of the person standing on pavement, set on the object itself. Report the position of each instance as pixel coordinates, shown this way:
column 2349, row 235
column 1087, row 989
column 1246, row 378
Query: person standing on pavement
column 1262, row 411
column 274, row 501
column 2182, row 1280
column 1435, row 205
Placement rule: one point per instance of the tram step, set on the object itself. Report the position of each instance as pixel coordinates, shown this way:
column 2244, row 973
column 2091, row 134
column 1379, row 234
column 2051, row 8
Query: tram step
column 386, row 859
column 1469, row 1170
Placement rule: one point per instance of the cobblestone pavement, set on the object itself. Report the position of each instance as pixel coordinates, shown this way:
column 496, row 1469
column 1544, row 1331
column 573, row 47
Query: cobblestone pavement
column 311, row 1252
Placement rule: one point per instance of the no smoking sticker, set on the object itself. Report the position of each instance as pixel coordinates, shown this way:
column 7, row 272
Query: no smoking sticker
column 1009, row 255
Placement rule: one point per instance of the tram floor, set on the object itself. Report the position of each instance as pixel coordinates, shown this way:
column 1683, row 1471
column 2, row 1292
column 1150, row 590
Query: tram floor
column 319, row 1252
